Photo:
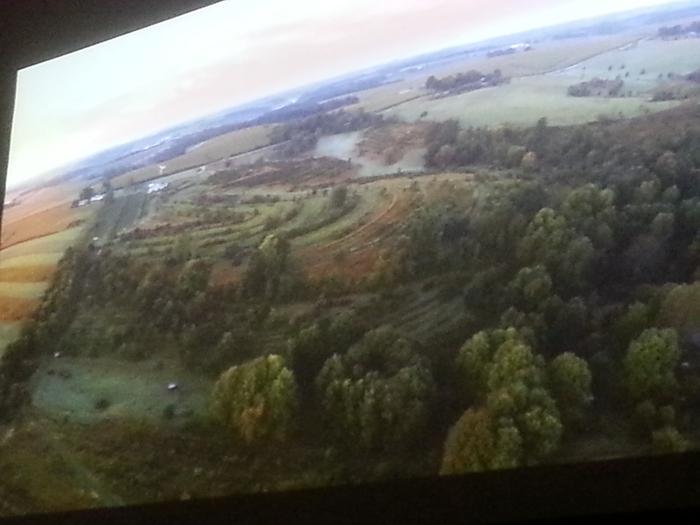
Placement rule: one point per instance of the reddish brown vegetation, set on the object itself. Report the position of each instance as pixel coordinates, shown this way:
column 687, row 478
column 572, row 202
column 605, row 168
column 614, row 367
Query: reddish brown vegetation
column 16, row 308
column 390, row 143
column 36, row 225
column 296, row 172
column 354, row 255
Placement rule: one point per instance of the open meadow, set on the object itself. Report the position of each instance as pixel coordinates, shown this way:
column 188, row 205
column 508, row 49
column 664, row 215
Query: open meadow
column 222, row 147
column 540, row 90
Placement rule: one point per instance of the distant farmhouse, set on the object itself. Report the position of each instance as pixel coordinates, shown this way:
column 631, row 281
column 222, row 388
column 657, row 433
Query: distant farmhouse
column 515, row 48
column 155, row 187
column 79, row 203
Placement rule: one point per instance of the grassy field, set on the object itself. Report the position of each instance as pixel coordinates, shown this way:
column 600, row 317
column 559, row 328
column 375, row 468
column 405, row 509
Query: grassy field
column 8, row 333
column 229, row 144
column 31, row 260
column 540, row 79
column 382, row 97
column 131, row 389
column 54, row 243
column 522, row 102
column 544, row 58
column 644, row 62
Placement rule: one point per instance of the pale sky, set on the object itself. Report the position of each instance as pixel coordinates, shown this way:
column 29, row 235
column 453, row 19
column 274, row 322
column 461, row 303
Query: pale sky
column 236, row 51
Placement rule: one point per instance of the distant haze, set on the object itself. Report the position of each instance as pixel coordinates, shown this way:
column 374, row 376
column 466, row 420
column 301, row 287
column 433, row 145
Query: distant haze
column 236, row 51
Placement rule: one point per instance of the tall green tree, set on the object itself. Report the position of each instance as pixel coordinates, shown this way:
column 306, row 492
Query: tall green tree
column 650, row 366
column 570, row 380
column 257, row 400
column 378, row 395
column 550, row 241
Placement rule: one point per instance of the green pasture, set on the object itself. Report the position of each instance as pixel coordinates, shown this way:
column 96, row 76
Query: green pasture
column 36, row 259
column 523, row 101
column 644, row 61
column 8, row 333
column 50, row 244
column 128, row 389
column 233, row 143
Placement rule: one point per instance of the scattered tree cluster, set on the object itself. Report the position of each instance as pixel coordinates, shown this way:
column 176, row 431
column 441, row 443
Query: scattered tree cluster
column 597, row 87
column 517, row 403
column 302, row 135
column 461, row 82
column 679, row 30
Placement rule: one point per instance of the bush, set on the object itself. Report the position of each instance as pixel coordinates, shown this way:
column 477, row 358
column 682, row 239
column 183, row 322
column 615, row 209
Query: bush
column 257, row 400
column 338, row 196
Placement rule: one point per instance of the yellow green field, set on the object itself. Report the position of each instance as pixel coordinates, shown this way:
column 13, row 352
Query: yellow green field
column 8, row 333
column 644, row 62
column 25, row 290
column 522, row 102
column 25, row 272
column 544, row 58
column 233, row 143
